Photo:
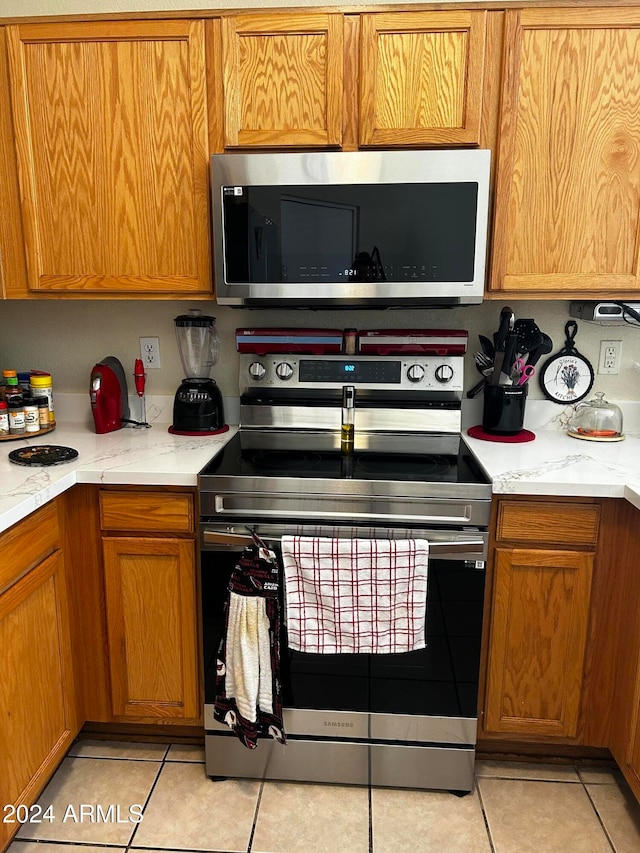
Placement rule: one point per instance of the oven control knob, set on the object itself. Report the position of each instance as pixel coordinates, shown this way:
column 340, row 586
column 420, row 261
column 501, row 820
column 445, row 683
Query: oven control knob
column 257, row 370
column 444, row 373
column 284, row 370
column 415, row 373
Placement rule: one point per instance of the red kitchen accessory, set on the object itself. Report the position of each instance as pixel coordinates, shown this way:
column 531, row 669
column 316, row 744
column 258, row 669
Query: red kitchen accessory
column 108, row 394
column 140, row 378
column 413, row 341
column 283, row 340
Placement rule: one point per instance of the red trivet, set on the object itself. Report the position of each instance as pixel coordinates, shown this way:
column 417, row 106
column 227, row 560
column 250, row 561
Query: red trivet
column 518, row 438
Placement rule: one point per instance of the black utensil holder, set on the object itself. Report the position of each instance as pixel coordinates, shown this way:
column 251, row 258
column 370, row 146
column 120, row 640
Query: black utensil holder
column 503, row 411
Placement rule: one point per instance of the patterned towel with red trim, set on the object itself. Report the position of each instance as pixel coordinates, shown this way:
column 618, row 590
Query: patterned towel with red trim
column 355, row 595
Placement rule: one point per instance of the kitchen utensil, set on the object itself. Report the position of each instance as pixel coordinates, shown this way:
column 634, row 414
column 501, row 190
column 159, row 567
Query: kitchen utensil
column 482, row 361
column 487, row 346
column 197, row 407
column 108, row 393
column 509, row 356
column 597, row 420
column 473, row 392
column 529, row 336
column 566, row 377
column 43, row 454
column 543, row 348
column 507, row 322
column 140, row 378
column 521, row 372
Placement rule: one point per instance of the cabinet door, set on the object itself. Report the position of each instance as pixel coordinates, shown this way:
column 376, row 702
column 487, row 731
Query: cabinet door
column 37, row 721
column 283, row 79
column 111, row 136
column 537, row 643
column 568, row 186
column 421, row 78
column 13, row 268
column 151, row 621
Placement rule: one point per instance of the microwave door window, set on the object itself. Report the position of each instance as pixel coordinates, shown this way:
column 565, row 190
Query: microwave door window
column 318, row 239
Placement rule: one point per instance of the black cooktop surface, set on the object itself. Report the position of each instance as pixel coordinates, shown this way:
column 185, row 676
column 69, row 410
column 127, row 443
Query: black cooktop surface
column 240, row 459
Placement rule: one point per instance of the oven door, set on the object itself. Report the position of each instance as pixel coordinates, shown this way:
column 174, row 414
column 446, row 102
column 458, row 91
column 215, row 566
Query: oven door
column 429, row 695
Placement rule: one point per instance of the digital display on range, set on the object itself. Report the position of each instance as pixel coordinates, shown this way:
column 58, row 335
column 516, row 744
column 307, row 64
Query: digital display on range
column 352, row 371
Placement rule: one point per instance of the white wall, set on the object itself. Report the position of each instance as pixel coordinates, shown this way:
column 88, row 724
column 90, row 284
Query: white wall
column 69, row 337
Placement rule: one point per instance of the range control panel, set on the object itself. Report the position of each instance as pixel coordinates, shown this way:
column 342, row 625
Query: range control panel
column 394, row 373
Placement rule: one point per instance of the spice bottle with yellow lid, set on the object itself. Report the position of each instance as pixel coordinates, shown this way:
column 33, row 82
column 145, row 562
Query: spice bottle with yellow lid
column 41, row 386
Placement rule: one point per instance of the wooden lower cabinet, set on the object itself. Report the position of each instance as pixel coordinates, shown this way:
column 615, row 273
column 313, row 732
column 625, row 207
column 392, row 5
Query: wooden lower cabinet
column 150, row 588
column 538, row 637
column 151, row 623
column 625, row 723
column 37, row 713
column 539, row 618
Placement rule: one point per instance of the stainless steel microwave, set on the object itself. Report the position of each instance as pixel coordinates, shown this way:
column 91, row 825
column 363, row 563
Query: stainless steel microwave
column 353, row 229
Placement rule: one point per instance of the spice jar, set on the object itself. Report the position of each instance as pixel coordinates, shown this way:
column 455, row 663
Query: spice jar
column 41, row 387
column 31, row 417
column 12, row 387
column 4, row 418
column 43, row 412
column 16, row 417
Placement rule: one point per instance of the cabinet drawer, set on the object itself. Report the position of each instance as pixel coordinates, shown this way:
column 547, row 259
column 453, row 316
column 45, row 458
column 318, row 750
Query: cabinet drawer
column 147, row 511
column 548, row 521
column 27, row 542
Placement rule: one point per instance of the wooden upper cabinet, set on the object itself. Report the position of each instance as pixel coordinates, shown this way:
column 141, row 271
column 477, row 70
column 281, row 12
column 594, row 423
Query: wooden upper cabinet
column 13, row 267
column 421, row 77
column 568, row 185
column 283, row 79
column 112, row 146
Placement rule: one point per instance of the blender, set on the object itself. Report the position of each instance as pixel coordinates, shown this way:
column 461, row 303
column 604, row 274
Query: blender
column 197, row 407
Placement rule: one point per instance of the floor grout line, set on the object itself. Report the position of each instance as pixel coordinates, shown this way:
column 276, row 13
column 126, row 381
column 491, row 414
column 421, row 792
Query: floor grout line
column 255, row 816
column 146, row 802
column 598, row 818
column 485, row 818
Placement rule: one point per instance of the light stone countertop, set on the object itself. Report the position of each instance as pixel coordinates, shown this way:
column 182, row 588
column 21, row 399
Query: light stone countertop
column 557, row 464
column 553, row 464
column 139, row 457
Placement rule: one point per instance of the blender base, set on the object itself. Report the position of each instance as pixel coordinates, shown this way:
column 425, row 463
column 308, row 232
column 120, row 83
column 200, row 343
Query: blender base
column 175, row 431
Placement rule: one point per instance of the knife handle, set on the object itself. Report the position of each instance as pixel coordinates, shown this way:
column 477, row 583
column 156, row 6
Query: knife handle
column 139, row 377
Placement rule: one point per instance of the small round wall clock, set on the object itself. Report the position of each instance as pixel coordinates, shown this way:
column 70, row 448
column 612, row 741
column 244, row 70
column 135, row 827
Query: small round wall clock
column 567, row 377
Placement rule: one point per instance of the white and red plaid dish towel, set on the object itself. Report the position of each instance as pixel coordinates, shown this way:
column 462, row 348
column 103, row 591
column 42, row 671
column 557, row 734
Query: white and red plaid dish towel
column 355, row 595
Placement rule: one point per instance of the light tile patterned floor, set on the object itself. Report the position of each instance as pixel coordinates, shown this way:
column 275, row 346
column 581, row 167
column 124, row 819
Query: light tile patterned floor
column 515, row 808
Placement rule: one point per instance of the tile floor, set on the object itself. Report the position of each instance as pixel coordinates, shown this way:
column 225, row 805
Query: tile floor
column 515, row 808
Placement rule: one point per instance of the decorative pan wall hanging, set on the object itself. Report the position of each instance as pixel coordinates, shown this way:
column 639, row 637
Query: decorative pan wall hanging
column 567, row 376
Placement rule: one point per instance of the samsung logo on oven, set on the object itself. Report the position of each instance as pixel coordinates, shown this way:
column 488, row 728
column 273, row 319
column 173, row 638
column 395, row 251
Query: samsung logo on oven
column 337, row 725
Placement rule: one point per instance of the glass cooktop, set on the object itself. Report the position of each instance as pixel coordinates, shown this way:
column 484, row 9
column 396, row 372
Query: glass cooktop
column 240, row 458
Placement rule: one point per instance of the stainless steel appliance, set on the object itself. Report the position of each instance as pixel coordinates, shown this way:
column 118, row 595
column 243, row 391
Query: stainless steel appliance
column 402, row 720
column 377, row 228
column 197, row 406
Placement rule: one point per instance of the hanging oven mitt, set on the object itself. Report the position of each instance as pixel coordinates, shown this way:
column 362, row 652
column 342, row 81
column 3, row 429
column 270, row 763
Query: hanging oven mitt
column 248, row 689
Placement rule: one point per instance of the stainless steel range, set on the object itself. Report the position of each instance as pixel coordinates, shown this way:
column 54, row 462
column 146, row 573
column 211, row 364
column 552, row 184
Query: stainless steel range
column 400, row 720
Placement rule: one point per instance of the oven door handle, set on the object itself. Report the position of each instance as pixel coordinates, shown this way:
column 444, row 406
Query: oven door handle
column 224, row 539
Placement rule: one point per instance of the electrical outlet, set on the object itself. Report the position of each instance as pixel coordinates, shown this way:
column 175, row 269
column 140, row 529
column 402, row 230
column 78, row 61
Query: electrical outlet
column 609, row 356
column 150, row 352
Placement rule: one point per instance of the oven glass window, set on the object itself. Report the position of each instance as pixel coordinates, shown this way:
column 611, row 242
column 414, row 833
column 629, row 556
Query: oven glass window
column 439, row 680
column 357, row 232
